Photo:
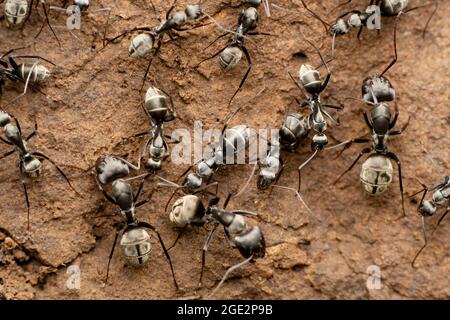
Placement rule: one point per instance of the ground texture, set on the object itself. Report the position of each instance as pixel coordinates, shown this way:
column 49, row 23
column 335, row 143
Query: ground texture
column 92, row 105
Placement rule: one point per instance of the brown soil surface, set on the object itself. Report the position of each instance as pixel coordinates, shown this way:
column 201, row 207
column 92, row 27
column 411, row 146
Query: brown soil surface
column 93, row 104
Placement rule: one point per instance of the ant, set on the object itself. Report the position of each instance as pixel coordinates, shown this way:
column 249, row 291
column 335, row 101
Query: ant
column 376, row 173
column 135, row 241
column 144, row 42
column 24, row 72
column 232, row 53
column 30, row 162
column 17, row 12
column 189, row 210
column 427, row 208
column 231, row 142
column 156, row 109
column 296, row 126
column 358, row 19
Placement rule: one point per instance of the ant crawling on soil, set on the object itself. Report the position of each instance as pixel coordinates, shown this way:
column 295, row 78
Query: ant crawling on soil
column 144, row 42
column 427, row 208
column 231, row 141
column 296, row 126
column 189, row 210
column 24, row 72
column 135, row 240
column 17, row 12
column 232, row 53
column 30, row 162
column 157, row 111
column 376, row 173
column 358, row 19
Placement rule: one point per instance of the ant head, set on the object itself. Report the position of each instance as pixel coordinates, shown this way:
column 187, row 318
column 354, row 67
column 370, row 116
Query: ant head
column 16, row 12
column 193, row 11
column 153, row 164
column 31, row 166
column 187, row 210
column 5, row 118
column 140, row 45
column 249, row 18
column 123, row 194
column 230, row 57
column 82, row 4
column 193, row 181
column 265, row 178
column 427, row 208
column 110, row 168
column 339, row 28
column 136, row 246
column 251, row 242
column 319, row 141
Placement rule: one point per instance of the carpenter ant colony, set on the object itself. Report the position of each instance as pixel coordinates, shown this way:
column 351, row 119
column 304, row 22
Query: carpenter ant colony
column 192, row 199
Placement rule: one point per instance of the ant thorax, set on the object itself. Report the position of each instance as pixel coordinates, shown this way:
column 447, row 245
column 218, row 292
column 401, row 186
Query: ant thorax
column 376, row 174
column 136, row 246
column 15, row 12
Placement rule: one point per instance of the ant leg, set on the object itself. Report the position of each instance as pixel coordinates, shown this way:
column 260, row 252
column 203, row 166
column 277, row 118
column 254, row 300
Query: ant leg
column 118, row 227
column 394, row 61
column 436, row 8
column 174, row 112
column 138, row 193
column 302, row 166
column 424, row 245
column 205, row 249
column 178, row 238
column 440, row 220
column 230, row 270
column 149, row 226
column 47, row 21
column 347, row 144
column 331, row 106
column 150, row 62
column 397, row 132
column 327, row 78
column 32, row 134
column 24, row 184
column 214, row 184
column 5, row 141
column 250, row 64
column 43, row 156
column 342, row 4
column 209, row 58
column 170, row 9
column 394, row 157
column 298, row 86
column 366, row 119
column 7, row 154
column 215, row 40
column 326, row 25
column 363, row 151
column 123, row 34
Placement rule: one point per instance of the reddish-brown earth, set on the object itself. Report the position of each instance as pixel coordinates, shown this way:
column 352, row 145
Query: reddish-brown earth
column 93, row 104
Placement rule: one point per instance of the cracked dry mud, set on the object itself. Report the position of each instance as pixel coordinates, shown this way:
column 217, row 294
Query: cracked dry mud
column 92, row 105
